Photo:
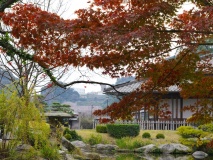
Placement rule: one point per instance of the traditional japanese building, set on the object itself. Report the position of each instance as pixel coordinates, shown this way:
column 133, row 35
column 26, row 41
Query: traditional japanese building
column 173, row 98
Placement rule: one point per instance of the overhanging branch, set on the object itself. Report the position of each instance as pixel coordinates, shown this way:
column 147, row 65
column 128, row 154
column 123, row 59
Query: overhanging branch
column 8, row 48
column 52, row 78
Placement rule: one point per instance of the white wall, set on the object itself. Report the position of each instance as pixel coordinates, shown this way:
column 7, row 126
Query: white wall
column 187, row 102
column 176, row 110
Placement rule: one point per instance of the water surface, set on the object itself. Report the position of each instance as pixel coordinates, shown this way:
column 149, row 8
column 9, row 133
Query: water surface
column 124, row 156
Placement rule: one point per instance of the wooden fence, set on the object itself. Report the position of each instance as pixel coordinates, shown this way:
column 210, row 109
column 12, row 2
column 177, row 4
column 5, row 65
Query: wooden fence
column 154, row 125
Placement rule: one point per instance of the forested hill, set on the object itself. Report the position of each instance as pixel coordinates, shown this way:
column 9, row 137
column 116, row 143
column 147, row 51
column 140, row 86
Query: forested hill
column 58, row 94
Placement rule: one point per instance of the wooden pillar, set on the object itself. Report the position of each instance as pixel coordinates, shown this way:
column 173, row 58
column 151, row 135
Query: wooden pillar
column 157, row 111
column 139, row 116
column 177, row 108
column 172, row 108
column 146, row 114
column 181, row 108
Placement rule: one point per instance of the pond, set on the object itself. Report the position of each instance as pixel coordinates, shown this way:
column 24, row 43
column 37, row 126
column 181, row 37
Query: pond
column 122, row 156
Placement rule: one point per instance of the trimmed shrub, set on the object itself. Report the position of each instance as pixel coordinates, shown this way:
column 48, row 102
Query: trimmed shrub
column 72, row 133
column 160, row 136
column 123, row 130
column 146, row 135
column 206, row 127
column 101, row 129
column 189, row 132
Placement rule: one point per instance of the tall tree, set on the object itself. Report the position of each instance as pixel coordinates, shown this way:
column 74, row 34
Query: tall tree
column 131, row 38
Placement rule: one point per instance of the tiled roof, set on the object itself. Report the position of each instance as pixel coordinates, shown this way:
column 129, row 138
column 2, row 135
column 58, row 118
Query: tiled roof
column 128, row 87
column 124, row 88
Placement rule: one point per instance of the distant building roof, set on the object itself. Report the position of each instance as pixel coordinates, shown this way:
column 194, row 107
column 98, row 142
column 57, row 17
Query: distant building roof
column 57, row 114
column 124, row 88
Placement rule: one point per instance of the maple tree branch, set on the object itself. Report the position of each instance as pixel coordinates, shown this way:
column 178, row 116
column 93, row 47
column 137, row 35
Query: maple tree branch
column 167, row 51
column 11, row 51
column 47, row 71
column 172, row 69
column 76, row 82
column 147, row 94
column 168, row 74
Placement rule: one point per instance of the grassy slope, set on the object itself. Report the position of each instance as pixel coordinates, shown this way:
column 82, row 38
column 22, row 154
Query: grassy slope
column 170, row 136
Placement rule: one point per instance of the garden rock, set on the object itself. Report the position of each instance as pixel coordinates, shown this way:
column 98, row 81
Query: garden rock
column 106, row 147
column 199, row 155
column 67, row 144
column 80, row 144
column 167, row 148
column 147, row 149
column 179, row 148
column 174, row 148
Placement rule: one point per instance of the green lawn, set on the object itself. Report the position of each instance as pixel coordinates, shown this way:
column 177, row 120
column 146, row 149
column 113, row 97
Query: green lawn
column 170, row 136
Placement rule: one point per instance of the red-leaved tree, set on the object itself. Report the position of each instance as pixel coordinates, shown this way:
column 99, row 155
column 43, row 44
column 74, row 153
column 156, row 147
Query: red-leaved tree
column 135, row 38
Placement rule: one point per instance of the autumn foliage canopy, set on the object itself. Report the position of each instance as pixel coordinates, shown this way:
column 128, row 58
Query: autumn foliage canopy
column 137, row 38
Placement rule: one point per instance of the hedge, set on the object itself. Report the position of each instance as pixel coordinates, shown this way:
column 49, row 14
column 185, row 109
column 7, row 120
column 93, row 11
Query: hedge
column 123, row 130
column 101, row 129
